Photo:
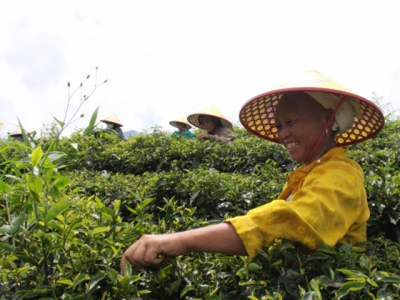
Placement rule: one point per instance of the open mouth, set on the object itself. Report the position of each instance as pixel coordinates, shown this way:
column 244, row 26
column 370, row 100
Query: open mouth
column 291, row 146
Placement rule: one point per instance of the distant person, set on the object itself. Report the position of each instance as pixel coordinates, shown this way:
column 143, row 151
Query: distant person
column 211, row 119
column 114, row 124
column 17, row 135
column 323, row 202
column 183, row 128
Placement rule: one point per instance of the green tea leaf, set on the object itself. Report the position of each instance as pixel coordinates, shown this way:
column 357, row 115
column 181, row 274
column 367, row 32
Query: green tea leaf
column 112, row 275
column 348, row 287
column 24, row 134
column 108, row 213
column 186, row 289
column 94, row 282
column 55, row 155
column 88, row 130
column 100, row 230
column 310, row 296
column 65, row 281
column 4, row 187
column 27, row 259
column 36, row 292
column 254, row 267
column 326, row 249
column 79, row 279
column 352, row 273
column 35, row 184
column 16, row 223
column 57, row 209
column 36, row 156
column 61, row 181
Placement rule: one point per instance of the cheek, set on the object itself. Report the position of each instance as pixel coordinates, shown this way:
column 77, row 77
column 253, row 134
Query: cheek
column 279, row 136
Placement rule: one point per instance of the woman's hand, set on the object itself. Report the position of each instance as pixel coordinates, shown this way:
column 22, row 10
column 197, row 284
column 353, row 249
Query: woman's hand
column 152, row 250
column 203, row 136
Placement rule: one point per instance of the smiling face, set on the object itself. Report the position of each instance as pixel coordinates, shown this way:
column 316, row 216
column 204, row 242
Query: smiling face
column 300, row 120
column 209, row 123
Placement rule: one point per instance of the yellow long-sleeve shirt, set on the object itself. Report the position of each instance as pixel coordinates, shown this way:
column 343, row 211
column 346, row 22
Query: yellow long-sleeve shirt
column 324, row 203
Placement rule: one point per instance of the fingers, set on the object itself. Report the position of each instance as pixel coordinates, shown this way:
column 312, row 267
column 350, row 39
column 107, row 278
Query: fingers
column 141, row 254
column 126, row 258
column 129, row 256
column 202, row 136
column 122, row 265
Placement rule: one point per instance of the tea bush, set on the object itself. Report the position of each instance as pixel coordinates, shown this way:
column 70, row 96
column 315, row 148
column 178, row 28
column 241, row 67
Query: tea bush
column 68, row 213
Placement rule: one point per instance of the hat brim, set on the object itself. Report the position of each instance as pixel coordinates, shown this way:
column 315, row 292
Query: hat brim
column 210, row 111
column 258, row 116
column 111, row 122
column 194, row 120
column 175, row 124
column 113, row 119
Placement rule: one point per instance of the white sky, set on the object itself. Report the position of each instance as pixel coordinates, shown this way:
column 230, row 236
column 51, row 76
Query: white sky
column 165, row 59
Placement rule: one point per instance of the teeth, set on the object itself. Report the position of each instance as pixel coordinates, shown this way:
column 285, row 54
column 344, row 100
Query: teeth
column 290, row 146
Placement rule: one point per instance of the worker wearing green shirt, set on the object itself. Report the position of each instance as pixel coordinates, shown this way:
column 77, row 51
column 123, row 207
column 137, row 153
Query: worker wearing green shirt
column 183, row 127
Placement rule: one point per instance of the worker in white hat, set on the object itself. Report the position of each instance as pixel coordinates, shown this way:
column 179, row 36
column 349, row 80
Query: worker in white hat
column 114, row 124
column 17, row 135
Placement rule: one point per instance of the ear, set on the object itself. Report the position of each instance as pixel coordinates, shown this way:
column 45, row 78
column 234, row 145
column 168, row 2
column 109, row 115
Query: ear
column 329, row 118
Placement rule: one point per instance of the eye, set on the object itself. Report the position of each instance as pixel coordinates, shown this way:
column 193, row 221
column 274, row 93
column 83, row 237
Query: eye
column 287, row 123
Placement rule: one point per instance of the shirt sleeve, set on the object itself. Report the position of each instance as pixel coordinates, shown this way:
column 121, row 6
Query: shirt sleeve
column 331, row 202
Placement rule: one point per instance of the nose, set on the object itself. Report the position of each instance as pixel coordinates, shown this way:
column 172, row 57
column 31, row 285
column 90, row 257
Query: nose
column 283, row 133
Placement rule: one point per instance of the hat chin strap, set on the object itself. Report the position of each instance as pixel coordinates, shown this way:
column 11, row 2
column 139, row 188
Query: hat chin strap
column 325, row 128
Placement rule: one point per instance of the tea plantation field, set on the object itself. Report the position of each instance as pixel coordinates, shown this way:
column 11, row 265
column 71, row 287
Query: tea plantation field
column 69, row 210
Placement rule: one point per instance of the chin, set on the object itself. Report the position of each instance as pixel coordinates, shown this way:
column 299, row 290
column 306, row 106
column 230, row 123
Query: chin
column 297, row 158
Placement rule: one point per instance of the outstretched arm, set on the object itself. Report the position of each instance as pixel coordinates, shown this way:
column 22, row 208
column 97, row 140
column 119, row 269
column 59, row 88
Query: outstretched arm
column 153, row 249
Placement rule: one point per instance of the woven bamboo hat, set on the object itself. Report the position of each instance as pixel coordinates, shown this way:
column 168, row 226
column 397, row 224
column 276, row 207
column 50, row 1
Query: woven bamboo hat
column 113, row 119
column 16, row 132
column 208, row 111
column 356, row 119
column 180, row 120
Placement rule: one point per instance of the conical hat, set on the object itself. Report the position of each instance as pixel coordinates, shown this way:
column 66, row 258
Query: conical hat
column 16, row 132
column 112, row 119
column 208, row 111
column 180, row 120
column 258, row 114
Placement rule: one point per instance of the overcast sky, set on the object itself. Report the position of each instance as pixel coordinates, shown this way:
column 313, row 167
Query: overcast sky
column 165, row 59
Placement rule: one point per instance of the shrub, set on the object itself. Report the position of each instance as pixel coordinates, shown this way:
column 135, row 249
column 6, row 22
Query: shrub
column 67, row 214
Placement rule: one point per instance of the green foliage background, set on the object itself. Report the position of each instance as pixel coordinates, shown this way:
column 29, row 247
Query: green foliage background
column 67, row 214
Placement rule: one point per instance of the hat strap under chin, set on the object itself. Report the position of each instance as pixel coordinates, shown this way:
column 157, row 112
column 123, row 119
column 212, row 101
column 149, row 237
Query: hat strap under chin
column 344, row 97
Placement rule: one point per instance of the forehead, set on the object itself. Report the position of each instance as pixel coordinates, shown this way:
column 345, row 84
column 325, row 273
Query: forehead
column 298, row 103
column 205, row 118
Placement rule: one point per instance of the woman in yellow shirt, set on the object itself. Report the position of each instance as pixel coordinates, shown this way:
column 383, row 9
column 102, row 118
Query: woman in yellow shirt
column 323, row 201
